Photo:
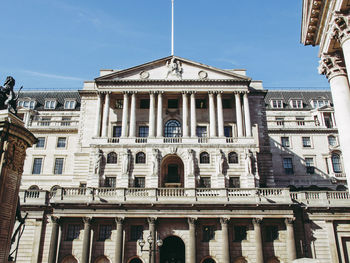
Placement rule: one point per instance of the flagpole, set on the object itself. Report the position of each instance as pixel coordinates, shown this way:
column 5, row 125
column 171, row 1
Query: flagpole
column 172, row 27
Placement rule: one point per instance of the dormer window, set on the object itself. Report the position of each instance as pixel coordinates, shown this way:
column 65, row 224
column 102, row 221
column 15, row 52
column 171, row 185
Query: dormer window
column 277, row 104
column 50, row 104
column 296, row 103
column 319, row 103
column 69, row 104
column 28, row 104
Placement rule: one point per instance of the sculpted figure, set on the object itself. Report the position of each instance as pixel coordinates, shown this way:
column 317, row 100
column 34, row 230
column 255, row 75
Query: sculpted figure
column 8, row 98
column 174, row 68
column 155, row 161
column 126, row 162
column 190, row 162
column 98, row 161
column 220, row 163
column 248, row 163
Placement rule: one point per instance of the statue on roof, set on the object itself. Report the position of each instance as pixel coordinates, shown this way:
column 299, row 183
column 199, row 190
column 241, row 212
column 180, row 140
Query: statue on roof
column 8, row 98
column 174, row 68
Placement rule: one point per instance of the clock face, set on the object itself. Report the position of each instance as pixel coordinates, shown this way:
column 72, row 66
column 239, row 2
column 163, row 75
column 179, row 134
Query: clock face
column 144, row 74
column 202, row 74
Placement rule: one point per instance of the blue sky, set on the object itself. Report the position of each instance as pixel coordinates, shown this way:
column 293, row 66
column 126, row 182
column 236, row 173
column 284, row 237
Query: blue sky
column 57, row 44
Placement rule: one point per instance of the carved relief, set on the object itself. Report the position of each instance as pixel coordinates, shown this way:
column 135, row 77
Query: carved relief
column 15, row 152
column 332, row 65
column 340, row 28
column 174, row 68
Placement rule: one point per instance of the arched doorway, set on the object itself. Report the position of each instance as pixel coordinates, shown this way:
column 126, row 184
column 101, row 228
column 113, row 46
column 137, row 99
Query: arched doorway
column 102, row 259
column 69, row 259
column 135, row 260
column 172, row 250
column 208, row 260
column 172, row 171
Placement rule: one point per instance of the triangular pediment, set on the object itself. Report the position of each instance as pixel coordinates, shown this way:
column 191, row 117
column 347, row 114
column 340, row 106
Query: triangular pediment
column 172, row 68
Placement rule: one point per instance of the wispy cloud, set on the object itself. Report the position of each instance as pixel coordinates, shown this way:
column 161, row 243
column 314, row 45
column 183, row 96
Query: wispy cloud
column 51, row 76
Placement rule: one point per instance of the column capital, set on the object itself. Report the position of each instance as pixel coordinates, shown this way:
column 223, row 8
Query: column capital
column 152, row 92
column 332, row 65
column 151, row 220
column 340, row 27
column 55, row 219
column 257, row 221
column 119, row 220
column 224, row 220
column 289, row 221
column 185, row 92
column 192, row 220
column 212, row 92
column 192, row 92
column 87, row 220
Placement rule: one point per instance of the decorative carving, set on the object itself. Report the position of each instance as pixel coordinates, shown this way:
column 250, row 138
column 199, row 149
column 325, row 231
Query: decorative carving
column 119, row 220
column 289, row 221
column 220, row 159
column 15, row 152
column 155, row 162
column 8, row 98
column 126, row 162
column 174, row 68
column 190, row 162
column 248, row 163
column 192, row 220
column 202, row 74
column 340, row 28
column 224, row 220
column 173, row 150
column 87, row 220
column 151, row 220
column 98, row 161
column 257, row 221
column 55, row 220
column 332, row 65
column 144, row 74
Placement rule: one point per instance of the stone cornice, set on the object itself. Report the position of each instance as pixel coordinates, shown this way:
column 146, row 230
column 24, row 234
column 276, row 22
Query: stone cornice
column 312, row 14
column 332, row 65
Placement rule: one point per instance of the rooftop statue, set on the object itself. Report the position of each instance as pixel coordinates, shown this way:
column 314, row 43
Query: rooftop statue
column 8, row 98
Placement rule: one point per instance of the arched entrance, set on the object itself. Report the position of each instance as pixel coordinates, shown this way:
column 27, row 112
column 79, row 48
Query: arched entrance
column 209, row 260
column 173, row 250
column 135, row 260
column 172, row 172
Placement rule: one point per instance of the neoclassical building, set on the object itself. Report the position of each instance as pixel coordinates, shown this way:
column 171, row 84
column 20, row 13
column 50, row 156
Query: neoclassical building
column 176, row 161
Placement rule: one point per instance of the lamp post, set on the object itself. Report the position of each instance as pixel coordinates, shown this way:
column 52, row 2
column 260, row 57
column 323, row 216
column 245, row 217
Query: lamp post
column 152, row 245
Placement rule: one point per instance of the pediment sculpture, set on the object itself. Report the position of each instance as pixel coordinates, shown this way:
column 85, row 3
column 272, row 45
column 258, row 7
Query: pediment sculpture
column 8, row 98
column 174, row 68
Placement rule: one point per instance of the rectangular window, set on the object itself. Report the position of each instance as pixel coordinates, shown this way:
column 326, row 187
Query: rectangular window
column 201, row 131
column 309, row 163
column 271, row 233
column 45, row 121
column 279, row 121
column 201, row 103
column 173, row 104
column 110, row 182
column 285, row 141
column 234, row 182
column 296, row 104
column 288, row 165
column 228, row 131
column 105, row 232
column 119, row 104
column 240, row 233
column 37, row 165
column 277, row 104
column 205, row 182
column 61, row 142
column 136, row 232
column 69, row 104
column 58, row 166
column 300, row 121
column 26, row 104
column 208, row 233
column 144, row 103
column 306, row 142
column 226, row 104
column 139, row 182
column 117, row 131
column 66, row 121
column 319, row 103
column 40, row 143
column 143, row 131
column 73, row 232
column 50, row 104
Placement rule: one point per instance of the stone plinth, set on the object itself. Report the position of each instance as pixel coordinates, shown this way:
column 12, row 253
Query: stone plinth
column 14, row 140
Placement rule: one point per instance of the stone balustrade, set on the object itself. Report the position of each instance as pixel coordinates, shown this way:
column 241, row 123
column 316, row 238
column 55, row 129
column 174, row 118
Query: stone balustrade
column 33, row 197
column 322, row 199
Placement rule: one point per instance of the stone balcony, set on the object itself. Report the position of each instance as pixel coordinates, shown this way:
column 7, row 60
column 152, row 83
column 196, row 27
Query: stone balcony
column 210, row 196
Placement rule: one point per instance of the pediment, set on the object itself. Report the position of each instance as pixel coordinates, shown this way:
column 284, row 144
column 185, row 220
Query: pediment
column 172, row 68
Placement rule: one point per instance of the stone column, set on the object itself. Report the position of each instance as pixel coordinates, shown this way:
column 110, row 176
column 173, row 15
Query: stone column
column 184, row 114
column 119, row 240
column 192, row 240
column 132, row 132
column 152, row 232
column 98, row 116
column 152, row 117
column 193, row 115
column 105, row 116
column 85, row 257
column 248, row 125
column 332, row 241
column 239, row 115
column 220, row 114
column 55, row 221
column 125, row 116
column 334, row 68
column 160, row 115
column 212, row 117
column 291, row 250
column 225, row 240
column 258, row 240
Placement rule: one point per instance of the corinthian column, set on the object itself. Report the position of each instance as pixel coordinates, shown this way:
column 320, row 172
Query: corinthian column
column 220, row 115
column 225, row 240
column 160, row 115
column 291, row 251
column 192, row 240
column 54, row 239
column 258, row 240
column 133, row 116
column 151, row 118
column 239, row 115
column 119, row 240
column 333, row 66
column 193, row 115
column 212, row 117
column 125, row 116
column 85, row 257
column 105, row 116
column 98, row 116
column 184, row 114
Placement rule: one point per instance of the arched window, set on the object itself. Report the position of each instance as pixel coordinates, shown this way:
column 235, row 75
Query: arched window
column 140, row 157
column 336, row 163
column 135, row 260
column 209, row 260
column 204, row 157
column 33, row 187
column 53, row 190
column 112, row 157
column 172, row 129
column 232, row 157
column 332, row 141
column 69, row 259
column 102, row 259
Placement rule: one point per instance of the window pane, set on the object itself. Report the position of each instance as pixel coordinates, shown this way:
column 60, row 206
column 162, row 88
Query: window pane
column 143, row 131
column 228, row 131
column 172, row 128
column 288, row 165
column 234, row 182
column 226, row 104
column 58, row 166
column 336, row 163
column 201, row 104
column 73, row 232
column 232, row 157
column 306, row 142
column 105, row 232
column 140, row 182
column 117, row 131
column 136, row 232
column 208, row 233
column 332, row 141
column 205, row 182
column 140, row 157
column 173, row 104
column 119, row 104
column 309, row 163
column 285, row 141
column 66, row 121
column 61, row 142
column 110, row 182
column 41, row 142
column 204, row 157
column 112, row 157
column 201, row 131
column 144, row 103
column 37, row 165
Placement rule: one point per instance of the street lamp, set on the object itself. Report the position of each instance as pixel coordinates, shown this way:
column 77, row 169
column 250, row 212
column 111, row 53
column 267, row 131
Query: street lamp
column 152, row 248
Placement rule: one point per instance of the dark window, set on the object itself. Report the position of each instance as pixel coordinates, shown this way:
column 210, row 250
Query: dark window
column 58, row 166
column 139, row 182
column 234, row 182
column 73, row 232
column 332, row 141
column 204, row 157
column 306, row 142
column 172, row 128
column 41, row 142
column 37, row 165
column 136, row 232
column 112, row 157
column 143, row 131
column 140, row 157
column 117, row 131
column 119, row 104
column 328, row 120
column 201, row 104
column 173, row 104
column 66, row 121
column 209, row 260
column 144, row 103
column 288, row 165
column 279, row 121
column 61, row 142
column 232, row 157
column 240, row 233
column 300, row 121
column 309, row 162
column 271, row 233
column 45, row 121
column 173, row 174
column 226, row 104
column 110, row 182
column 336, row 163
column 201, row 131
column 105, row 232
column 208, row 233
column 228, row 131
column 205, row 182
column 285, row 141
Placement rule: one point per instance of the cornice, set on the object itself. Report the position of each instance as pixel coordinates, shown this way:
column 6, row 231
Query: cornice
column 312, row 13
column 302, row 131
